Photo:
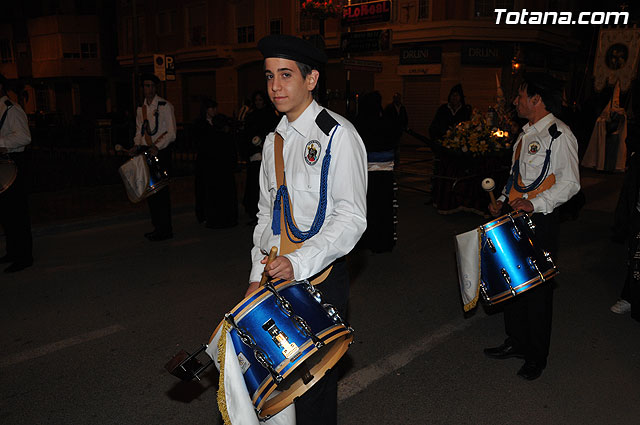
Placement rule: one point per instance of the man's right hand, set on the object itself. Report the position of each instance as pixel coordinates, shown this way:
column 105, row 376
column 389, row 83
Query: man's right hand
column 253, row 286
column 495, row 210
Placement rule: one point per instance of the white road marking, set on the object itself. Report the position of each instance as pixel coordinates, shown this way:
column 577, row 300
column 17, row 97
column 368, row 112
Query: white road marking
column 59, row 345
column 361, row 379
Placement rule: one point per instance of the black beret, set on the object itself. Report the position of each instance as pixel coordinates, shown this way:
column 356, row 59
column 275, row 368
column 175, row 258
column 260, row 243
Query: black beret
column 292, row 48
column 149, row 77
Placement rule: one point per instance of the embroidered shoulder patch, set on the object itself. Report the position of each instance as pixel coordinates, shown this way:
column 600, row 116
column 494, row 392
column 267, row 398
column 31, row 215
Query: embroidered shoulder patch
column 534, row 148
column 312, row 152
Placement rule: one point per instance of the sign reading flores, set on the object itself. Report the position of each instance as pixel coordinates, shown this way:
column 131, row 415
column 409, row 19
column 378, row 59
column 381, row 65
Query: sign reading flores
column 366, row 13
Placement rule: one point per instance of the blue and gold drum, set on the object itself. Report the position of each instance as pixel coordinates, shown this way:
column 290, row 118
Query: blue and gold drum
column 512, row 261
column 286, row 338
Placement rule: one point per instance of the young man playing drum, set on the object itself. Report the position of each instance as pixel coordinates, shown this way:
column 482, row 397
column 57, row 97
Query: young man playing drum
column 544, row 176
column 313, row 184
column 14, row 206
column 155, row 130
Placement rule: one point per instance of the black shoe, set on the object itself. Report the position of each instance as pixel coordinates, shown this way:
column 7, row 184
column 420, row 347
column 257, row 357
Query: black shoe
column 160, row 236
column 531, row 370
column 6, row 259
column 18, row 266
column 504, row 351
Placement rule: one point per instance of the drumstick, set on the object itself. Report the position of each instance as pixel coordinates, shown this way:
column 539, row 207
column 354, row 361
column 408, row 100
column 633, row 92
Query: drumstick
column 488, row 184
column 272, row 256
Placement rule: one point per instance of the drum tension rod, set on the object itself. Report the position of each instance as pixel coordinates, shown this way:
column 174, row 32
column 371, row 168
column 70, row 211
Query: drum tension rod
column 248, row 340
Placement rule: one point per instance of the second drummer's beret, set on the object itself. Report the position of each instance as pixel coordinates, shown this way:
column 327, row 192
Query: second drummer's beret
column 149, row 77
column 293, row 48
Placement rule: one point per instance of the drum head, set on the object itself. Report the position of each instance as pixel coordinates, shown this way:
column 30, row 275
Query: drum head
column 8, row 173
column 317, row 365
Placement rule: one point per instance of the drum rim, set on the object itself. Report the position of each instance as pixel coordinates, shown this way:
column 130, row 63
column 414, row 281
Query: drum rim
column 530, row 284
column 340, row 348
column 10, row 162
column 501, row 220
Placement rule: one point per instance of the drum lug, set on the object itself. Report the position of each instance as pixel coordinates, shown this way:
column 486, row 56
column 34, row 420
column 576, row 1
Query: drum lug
column 304, row 327
column 282, row 302
column 516, row 232
column 491, row 245
column 507, row 278
column 534, row 266
column 483, row 291
column 547, row 256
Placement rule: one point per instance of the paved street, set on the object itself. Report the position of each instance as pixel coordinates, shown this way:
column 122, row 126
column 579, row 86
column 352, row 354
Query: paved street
column 86, row 331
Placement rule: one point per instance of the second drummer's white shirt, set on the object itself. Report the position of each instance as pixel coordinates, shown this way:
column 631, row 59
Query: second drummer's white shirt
column 345, row 219
column 535, row 140
column 166, row 123
column 15, row 134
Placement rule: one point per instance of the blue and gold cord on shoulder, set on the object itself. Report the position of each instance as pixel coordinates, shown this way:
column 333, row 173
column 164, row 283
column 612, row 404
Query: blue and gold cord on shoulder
column 282, row 197
column 145, row 124
column 515, row 171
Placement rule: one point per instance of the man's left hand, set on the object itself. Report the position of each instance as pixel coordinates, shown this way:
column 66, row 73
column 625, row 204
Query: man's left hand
column 153, row 150
column 522, row 204
column 280, row 268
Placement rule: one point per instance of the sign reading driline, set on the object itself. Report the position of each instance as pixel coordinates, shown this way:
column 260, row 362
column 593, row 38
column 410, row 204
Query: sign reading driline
column 366, row 13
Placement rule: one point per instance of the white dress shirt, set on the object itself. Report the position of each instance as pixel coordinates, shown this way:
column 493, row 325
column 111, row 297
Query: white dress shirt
column 535, row 140
column 15, row 134
column 166, row 123
column 346, row 213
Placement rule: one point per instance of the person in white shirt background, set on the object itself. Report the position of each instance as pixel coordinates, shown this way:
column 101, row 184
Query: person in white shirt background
column 544, row 176
column 156, row 130
column 14, row 206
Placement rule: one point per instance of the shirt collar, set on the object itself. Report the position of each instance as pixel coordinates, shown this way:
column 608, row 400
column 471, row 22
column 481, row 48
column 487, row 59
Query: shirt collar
column 303, row 124
column 153, row 102
column 540, row 125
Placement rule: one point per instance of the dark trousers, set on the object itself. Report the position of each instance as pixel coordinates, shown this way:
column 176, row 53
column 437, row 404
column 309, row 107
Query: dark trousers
column 527, row 317
column 160, row 202
column 14, row 215
column 319, row 405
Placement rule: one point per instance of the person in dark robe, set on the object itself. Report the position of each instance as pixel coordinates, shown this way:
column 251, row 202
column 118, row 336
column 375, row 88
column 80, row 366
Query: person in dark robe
column 259, row 122
column 378, row 131
column 216, row 163
column 450, row 114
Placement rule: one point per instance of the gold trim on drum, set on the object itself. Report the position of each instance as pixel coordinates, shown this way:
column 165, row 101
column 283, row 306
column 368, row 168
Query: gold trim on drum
column 533, row 282
column 269, row 380
column 501, row 220
column 269, row 407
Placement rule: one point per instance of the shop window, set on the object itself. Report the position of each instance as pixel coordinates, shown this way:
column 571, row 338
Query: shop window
column 6, row 53
column 89, row 50
column 197, row 25
column 486, row 8
column 166, row 22
column 424, row 9
column 246, row 34
column 42, row 99
column 275, row 26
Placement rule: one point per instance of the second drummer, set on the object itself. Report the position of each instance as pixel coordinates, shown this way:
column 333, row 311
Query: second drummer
column 156, row 129
column 544, row 176
column 316, row 163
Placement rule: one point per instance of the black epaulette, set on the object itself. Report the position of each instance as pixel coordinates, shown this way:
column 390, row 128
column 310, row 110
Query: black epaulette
column 8, row 103
column 162, row 103
column 326, row 122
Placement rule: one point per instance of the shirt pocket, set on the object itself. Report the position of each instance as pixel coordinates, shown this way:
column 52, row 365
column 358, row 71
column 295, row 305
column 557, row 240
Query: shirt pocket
column 304, row 190
column 533, row 164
